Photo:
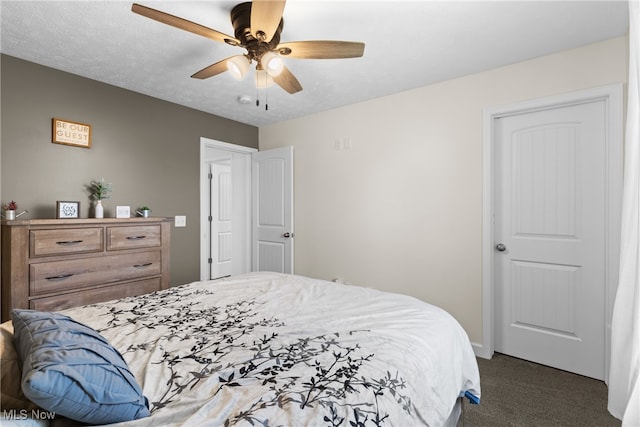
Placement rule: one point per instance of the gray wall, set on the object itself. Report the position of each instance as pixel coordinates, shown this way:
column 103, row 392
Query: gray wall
column 147, row 148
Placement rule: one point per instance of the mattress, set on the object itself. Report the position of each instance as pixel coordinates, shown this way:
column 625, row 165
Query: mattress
column 276, row 349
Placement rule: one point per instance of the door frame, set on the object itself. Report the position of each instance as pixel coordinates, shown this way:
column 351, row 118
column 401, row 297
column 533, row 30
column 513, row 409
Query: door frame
column 204, row 188
column 612, row 95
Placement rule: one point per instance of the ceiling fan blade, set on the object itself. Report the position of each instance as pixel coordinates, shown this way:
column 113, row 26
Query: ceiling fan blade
column 321, row 49
column 265, row 17
column 287, row 81
column 212, row 70
column 183, row 24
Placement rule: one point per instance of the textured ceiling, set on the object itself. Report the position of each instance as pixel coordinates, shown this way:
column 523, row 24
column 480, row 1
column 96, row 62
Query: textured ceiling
column 409, row 44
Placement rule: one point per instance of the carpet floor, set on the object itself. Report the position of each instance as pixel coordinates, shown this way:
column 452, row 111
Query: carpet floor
column 516, row 392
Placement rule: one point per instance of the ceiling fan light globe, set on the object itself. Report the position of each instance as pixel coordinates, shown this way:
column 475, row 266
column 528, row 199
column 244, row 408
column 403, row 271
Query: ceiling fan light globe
column 238, row 66
column 272, row 63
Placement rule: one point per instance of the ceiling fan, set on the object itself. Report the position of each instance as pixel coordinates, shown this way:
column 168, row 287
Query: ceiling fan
column 257, row 26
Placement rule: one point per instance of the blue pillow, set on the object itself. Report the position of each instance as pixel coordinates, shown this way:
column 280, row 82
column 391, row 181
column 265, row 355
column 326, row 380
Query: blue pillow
column 70, row 369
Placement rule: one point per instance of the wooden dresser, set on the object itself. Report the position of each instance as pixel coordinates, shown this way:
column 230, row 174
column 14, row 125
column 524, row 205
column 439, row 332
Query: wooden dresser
column 54, row 264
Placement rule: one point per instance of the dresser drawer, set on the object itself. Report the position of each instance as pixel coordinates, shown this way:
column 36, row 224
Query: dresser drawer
column 92, row 296
column 139, row 236
column 57, row 276
column 65, row 241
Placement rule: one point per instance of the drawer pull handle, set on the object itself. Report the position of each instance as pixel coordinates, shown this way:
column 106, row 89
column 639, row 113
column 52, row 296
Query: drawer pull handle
column 69, row 242
column 135, row 237
column 60, row 277
column 143, row 265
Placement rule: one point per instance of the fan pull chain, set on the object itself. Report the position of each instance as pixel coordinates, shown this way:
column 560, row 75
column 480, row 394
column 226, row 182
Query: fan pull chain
column 266, row 93
column 257, row 96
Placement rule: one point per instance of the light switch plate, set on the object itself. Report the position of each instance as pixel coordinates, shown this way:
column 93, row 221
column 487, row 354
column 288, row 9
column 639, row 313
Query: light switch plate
column 181, row 221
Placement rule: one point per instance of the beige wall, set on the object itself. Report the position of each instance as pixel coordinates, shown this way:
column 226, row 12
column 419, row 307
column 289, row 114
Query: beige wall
column 401, row 210
column 149, row 149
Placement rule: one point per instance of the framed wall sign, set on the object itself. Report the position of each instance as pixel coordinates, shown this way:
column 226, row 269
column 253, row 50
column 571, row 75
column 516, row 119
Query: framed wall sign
column 71, row 133
column 123, row 212
column 67, row 209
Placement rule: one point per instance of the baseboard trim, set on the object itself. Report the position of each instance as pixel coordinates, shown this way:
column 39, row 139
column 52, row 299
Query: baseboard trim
column 480, row 351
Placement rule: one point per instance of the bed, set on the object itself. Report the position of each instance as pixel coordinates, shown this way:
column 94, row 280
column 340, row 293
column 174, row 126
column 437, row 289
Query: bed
column 276, row 349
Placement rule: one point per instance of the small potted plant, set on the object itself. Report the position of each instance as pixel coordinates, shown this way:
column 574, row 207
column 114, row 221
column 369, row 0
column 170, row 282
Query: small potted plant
column 10, row 210
column 99, row 191
column 144, row 211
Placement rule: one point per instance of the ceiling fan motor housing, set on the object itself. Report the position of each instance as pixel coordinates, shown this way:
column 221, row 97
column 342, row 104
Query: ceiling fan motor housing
column 241, row 21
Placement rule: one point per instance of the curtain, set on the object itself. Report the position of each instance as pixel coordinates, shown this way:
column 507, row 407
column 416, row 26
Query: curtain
column 624, row 385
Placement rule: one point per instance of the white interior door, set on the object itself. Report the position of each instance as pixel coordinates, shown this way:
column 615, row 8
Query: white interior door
column 221, row 219
column 272, row 175
column 550, row 225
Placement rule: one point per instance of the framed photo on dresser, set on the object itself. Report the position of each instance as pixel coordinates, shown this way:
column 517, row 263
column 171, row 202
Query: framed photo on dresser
column 67, row 209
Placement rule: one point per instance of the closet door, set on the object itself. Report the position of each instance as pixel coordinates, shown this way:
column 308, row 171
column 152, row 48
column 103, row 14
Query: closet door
column 272, row 176
column 551, row 237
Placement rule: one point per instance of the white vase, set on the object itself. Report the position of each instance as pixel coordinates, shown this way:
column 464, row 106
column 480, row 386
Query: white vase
column 99, row 209
column 10, row 214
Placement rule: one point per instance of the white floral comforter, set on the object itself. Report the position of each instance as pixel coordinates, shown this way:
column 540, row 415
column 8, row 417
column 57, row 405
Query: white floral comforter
column 273, row 349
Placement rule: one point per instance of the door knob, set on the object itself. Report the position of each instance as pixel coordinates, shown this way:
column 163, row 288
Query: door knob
column 287, row 235
column 501, row 247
